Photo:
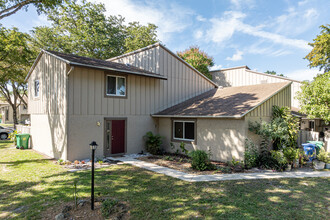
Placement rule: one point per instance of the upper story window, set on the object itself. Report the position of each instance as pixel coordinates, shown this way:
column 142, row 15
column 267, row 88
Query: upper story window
column 184, row 130
column 116, row 85
column 36, row 88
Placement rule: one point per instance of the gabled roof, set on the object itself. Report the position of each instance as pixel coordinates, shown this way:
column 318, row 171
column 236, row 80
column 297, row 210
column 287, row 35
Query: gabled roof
column 170, row 52
column 75, row 60
column 251, row 71
column 231, row 68
column 229, row 102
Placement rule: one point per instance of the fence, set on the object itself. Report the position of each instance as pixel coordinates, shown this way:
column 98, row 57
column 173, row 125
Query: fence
column 23, row 129
column 305, row 136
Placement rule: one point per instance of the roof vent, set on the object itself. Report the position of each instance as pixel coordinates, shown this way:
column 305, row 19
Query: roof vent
column 127, row 64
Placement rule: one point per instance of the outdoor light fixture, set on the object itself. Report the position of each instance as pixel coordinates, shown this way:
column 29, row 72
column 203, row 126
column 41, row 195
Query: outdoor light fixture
column 93, row 147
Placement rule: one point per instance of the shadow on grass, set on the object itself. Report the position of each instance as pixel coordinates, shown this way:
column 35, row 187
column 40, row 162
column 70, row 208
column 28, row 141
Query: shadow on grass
column 155, row 196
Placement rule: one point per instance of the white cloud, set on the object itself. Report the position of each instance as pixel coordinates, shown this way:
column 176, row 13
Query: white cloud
column 224, row 28
column 302, row 74
column 296, row 20
column 170, row 18
column 198, row 34
column 200, row 18
column 236, row 57
column 232, row 21
column 238, row 4
column 216, row 67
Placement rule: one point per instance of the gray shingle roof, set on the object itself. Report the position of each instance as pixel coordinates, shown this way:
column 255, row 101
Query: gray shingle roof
column 227, row 102
column 102, row 64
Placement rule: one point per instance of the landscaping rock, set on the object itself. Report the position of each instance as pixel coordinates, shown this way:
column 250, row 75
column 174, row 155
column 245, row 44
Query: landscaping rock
column 60, row 216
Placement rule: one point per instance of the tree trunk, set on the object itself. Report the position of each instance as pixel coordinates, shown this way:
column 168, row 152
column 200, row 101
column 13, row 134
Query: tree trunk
column 15, row 117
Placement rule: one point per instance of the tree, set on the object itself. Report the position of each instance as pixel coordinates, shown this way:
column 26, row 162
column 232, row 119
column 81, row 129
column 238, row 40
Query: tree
column 9, row 7
column 273, row 73
column 138, row 36
column 198, row 59
column 16, row 57
column 83, row 29
column 315, row 97
column 320, row 54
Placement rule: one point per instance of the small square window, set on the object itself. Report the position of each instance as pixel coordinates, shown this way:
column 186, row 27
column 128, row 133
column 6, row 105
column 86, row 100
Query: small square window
column 116, row 86
column 36, row 88
column 184, row 130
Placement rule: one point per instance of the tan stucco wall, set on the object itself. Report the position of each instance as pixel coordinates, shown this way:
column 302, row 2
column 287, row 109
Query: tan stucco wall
column 49, row 136
column 84, row 129
column 224, row 138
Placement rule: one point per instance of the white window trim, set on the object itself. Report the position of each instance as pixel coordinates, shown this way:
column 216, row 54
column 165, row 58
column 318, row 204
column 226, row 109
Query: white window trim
column 183, row 128
column 34, row 88
column 106, row 89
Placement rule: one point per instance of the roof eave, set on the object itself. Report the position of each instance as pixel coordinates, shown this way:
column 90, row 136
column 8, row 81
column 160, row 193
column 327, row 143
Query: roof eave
column 198, row 116
column 118, row 70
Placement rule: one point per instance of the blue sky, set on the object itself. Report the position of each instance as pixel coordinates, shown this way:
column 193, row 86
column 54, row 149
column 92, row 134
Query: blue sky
column 262, row 34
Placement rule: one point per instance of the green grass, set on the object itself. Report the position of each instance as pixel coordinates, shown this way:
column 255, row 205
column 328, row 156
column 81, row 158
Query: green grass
column 29, row 184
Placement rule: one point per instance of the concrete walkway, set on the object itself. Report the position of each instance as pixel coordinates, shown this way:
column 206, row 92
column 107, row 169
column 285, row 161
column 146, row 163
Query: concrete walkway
column 216, row 177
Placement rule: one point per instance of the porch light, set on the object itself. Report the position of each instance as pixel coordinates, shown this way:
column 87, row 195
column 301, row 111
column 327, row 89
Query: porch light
column 93, row 147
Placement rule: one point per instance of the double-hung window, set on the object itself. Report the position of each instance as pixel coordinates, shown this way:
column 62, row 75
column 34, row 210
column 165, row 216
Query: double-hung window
column 115, row 86
column 36, row 88
column 184, row 130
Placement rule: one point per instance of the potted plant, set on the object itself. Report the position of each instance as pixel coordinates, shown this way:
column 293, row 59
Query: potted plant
column 322, row 159
column 291, row 155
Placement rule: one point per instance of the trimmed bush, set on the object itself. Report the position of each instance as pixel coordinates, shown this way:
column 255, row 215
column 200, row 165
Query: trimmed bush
column 200, row 160
column 153, row 143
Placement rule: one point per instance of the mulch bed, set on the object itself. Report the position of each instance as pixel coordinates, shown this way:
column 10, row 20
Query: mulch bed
column 82, row 165
column 83, row 211
column 182, row 163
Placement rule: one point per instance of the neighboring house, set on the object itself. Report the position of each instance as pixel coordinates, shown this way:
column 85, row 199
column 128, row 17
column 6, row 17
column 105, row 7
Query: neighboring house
column 243, row 76
column 74, row 100
column 7, row 113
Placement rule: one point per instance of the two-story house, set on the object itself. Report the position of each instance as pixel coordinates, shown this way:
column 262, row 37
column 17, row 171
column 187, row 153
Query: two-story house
column 74, row 100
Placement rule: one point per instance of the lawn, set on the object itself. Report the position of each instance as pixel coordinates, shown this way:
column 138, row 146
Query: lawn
column 29, row 184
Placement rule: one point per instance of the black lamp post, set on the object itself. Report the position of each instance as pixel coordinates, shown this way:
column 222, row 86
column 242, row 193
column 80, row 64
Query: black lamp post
column 93, row 146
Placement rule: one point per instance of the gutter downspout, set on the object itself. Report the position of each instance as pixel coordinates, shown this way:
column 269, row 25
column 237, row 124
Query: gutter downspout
column 67, row 109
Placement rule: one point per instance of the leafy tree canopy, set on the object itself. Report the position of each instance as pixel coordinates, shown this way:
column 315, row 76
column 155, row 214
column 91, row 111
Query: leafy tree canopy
column 9, row 7
column 198, row 59
column 16, row 57
column 273, row 73
column 315, row 97
column 320, row 54
column 83, row 29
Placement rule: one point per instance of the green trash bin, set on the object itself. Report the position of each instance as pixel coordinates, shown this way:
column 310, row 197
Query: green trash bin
column 318, row 144
column 22, row 140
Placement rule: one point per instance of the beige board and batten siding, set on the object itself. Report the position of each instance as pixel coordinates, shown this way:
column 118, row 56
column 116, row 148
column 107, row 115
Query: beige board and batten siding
column 264, row 111
column 48, row 112
column 225, row 138
column 88, row 105
column 183, row 82
column 244, row 77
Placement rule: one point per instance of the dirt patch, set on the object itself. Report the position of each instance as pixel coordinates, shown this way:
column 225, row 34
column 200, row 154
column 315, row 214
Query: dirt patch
column 83, row 211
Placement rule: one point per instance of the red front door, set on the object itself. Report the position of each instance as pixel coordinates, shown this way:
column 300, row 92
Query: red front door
column 118, row 137
column 114, row 137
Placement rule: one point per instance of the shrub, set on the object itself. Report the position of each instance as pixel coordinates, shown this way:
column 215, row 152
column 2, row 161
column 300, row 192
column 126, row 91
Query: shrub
column 200, row 160
column 153, row 143
column 280, row 159
column 323, row 156
column 108, row 207
column 291, row 154
column 250, row 154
